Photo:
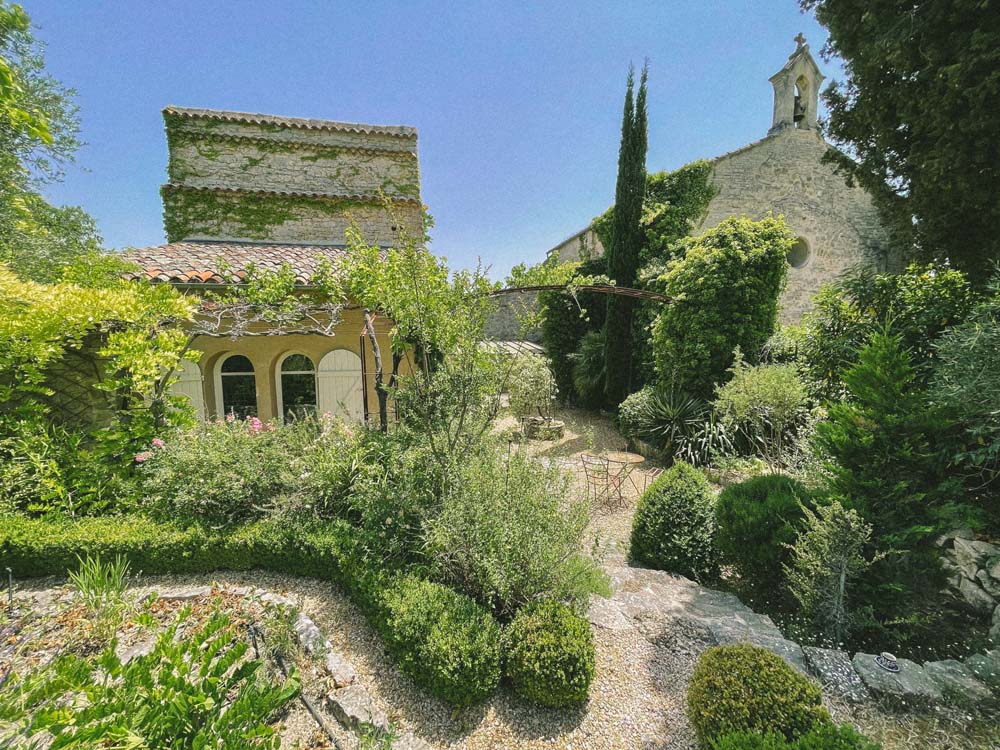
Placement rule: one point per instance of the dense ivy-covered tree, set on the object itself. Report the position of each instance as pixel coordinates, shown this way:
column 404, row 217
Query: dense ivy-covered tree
column 626, row 239
column 918, row 111
column 724, row 288
column 38, row 137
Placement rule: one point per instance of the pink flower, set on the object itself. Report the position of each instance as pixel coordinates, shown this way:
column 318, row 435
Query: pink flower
column 231, row 417
column 255, row 425
column 157, row 443
column 143, row 457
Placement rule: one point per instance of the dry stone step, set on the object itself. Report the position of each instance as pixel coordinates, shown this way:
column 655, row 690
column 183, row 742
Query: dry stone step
column 836, row 673
column 604, row 614
column 341, row 671
column 909, row 688
column 354, row 708
column 310, row 637
column 958, row 684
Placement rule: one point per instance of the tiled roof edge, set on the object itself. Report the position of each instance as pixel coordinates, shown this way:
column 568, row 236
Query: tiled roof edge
column 305, row 123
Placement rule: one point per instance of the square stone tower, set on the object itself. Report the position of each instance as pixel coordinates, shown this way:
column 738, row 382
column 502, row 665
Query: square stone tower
column 262, row 178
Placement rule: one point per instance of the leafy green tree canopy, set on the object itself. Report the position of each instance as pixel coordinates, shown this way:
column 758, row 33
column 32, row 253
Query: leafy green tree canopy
column 39, row 129
column 918, row 111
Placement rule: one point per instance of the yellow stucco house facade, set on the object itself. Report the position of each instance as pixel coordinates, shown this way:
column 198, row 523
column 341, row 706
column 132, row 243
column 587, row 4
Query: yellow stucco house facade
column 248, row 190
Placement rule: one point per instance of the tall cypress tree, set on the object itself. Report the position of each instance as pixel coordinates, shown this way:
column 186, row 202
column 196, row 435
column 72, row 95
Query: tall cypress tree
column 626, row 238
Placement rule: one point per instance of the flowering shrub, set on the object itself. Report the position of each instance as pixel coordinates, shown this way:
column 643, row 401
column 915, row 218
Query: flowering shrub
column 227, row 472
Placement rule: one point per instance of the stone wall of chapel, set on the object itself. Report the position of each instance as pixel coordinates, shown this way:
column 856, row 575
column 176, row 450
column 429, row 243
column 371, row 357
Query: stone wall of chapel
column 783, row 174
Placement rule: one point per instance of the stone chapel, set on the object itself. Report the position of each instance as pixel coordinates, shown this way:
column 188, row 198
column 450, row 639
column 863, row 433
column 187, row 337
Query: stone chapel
column 836, row 225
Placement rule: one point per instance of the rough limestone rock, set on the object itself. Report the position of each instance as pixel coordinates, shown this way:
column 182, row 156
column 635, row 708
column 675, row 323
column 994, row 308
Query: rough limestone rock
column 958, row 684
column 971, row 555
column 910, row 687
column 186, row 594
column 993, row 568
column 836, row 673
column 126, row 654
column 341, row 671
column 604, row 614
column 277, row 600
column 310, row 637
column 986, row 668
column 354, row 708
column 974, row 595
column 990, row 584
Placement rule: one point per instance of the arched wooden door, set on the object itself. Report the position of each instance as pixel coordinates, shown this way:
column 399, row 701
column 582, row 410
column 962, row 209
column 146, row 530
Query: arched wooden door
column 190, row 384
column 340, row 386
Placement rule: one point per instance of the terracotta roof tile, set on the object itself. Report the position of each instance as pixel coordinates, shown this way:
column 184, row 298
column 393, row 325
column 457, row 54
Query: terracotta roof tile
column 203, row 262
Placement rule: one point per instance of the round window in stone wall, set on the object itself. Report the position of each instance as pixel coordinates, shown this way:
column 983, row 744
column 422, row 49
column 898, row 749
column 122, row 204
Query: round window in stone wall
column 798, row 256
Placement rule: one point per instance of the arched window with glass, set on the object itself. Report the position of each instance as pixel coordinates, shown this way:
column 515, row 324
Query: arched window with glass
column 296, row 387
column 238, row 387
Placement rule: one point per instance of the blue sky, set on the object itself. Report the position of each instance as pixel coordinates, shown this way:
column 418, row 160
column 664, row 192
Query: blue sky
column 518, row 105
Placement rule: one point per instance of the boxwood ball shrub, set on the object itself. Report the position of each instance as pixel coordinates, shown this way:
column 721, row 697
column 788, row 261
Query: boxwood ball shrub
column 442, row 639
column 550, row 654
column 746, row 688
column 821, row 737
column 674, row 524
column 755, row 519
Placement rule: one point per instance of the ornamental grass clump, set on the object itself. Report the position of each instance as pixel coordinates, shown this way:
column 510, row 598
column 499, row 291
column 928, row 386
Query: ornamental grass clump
column 674, row 525
column 550, row 654
column 746, row 688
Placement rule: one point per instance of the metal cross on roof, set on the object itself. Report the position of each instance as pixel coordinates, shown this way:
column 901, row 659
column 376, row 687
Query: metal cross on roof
column 800, row 40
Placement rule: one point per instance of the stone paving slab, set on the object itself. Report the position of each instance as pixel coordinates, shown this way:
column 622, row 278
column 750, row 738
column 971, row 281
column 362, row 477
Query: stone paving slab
column 836, row 673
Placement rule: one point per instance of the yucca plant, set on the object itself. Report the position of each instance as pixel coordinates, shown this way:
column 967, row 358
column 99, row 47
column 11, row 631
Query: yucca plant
column 664, row 419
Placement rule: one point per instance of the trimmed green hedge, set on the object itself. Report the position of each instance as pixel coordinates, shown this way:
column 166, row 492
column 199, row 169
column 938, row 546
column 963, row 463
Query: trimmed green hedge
column 34, row 547
column 674, row 524
column 550, row 654
column 822, row 737
column 746, row 688
column 441, row 638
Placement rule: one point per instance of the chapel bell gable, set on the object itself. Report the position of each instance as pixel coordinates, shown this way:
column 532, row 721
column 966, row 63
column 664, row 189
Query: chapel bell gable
column 796, row 90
